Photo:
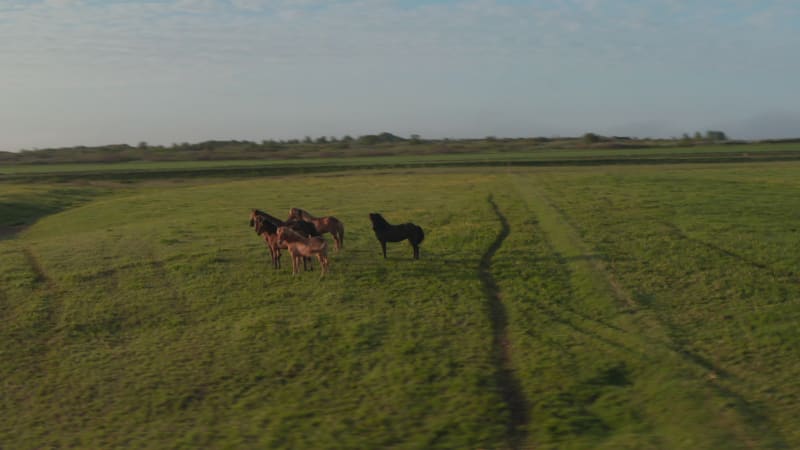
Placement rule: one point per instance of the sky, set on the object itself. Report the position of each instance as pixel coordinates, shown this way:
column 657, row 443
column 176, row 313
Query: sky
column 90, row 72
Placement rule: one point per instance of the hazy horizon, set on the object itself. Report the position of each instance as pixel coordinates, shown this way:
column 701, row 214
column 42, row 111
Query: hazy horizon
column 88, row 72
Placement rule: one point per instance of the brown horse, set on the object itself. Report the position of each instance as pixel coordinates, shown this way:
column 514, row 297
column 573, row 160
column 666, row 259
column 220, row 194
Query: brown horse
column 268, row 231
column 300, row 247
column 266, row 226
column 328, row 224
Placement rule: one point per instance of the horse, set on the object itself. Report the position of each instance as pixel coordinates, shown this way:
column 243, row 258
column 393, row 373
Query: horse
column 267, row 230
column 386, row 232
column 303, row 247
column 267, row 227
column 304, row 227
column 328, row 224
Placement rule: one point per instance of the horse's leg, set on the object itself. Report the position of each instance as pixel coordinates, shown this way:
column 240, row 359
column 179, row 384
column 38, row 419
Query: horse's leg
column 416, row 251
column 383, row 246
column 295, row 264
column 323, row 263
column 270, row 253
column 269, row 247
column 336, row 234
column 298, row 259
column 274, row 258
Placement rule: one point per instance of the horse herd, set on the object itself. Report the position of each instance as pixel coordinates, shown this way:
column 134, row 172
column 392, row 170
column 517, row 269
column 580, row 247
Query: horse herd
column 301, row 235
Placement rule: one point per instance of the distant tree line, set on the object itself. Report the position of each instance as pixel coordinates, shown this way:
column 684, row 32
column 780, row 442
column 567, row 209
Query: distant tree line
column 384, row 143
column 710, row 136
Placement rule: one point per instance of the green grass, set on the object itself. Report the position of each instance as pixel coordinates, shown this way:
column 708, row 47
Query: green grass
column 644, row 307
column 152, row 319
column 491, row 156
column 683, row 280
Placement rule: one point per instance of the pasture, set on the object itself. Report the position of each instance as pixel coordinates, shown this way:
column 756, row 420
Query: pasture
column 551, row 307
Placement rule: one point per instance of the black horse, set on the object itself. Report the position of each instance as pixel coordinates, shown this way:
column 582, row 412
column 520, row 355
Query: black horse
column 386, row 232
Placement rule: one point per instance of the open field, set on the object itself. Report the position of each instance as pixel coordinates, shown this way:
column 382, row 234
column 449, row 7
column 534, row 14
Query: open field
column 491, row 157
column 647, row 306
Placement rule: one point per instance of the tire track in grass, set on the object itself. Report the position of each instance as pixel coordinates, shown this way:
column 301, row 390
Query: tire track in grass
column 744, row 421
column 50, row 306
column 680, row 234
column 501, row 347
column 174, row 299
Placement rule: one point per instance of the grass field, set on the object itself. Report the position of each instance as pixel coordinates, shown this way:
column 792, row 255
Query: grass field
column 599, row 307
column 134, row 170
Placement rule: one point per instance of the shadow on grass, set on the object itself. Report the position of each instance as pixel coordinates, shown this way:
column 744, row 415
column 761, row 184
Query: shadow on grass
column 11, row 231
column 19, row 211
column 507, row 382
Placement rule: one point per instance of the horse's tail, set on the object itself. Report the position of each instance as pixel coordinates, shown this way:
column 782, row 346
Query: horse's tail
column 421, row 234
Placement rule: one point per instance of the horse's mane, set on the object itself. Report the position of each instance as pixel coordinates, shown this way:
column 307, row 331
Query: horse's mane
column 302, row 213
column 272, row 219
column 378, row 221
column 264, row 222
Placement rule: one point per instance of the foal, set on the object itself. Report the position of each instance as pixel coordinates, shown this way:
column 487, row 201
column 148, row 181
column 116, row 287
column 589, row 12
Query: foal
column 300, row 247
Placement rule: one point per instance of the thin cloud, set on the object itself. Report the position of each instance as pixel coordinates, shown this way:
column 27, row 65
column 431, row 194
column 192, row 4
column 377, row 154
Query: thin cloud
column 62, row 3
column 595, row 62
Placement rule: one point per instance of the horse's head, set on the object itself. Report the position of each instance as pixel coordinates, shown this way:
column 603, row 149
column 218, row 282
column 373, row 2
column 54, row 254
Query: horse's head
column 297, row 214
column 256, row 214
column 283, row 233
column 280, row 232
column 377, row 220
column 258, row 223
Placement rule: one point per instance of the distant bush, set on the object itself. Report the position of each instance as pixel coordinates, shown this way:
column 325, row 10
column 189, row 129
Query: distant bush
column 591, row 138
column 713, row 135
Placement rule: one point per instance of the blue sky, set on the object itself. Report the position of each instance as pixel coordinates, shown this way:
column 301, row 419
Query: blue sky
column 88, row 72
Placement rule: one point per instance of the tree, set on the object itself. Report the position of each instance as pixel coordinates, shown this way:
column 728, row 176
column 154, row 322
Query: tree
column 368, row 139
column 591, row 138
column 714, row 135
